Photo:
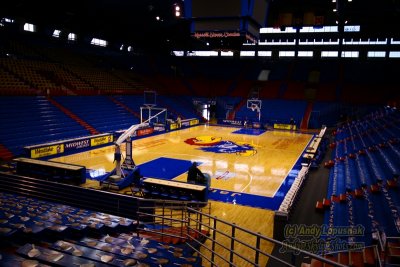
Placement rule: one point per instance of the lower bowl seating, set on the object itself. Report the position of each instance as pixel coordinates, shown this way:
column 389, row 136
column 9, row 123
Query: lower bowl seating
column 41, row 233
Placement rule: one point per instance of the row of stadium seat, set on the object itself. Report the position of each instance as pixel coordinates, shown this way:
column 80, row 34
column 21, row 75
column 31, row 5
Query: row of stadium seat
column 64, row 235
column 363, row 181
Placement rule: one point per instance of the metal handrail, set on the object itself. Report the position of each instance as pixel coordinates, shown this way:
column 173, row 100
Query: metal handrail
column 387, row 246
column 276, row 242
column 211, row 223
column 183, row 217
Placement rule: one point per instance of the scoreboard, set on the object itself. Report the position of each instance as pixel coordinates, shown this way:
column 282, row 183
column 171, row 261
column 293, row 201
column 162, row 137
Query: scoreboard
column 226, row 19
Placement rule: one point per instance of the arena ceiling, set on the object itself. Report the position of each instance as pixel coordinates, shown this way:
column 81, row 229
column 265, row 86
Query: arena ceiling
column 134, row 21
column 120, row 21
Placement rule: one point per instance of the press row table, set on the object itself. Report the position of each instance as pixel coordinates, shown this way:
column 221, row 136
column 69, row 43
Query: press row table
column 50, row 170
column 312, row 148
column 196, row 191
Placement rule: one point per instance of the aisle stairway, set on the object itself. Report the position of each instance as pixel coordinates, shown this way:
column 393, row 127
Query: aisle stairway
column 70, row 114
column 307, row 115
column 5, row 154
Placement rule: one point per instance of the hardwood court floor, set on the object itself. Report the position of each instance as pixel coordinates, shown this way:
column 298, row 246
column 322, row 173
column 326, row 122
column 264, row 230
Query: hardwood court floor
column 258, row 169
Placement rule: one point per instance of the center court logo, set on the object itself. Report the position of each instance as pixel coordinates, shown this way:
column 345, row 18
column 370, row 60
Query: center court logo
column 217, row 145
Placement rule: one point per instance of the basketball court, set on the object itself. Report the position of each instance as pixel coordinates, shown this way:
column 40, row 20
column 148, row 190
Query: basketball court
column 243, row 161
column 251, row 169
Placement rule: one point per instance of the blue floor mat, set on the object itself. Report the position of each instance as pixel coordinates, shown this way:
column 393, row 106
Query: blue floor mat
column 164, row 168
column 249, row 131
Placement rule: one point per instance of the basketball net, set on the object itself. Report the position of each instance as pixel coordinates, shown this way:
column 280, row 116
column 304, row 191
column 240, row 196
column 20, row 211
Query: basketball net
column 255, row 107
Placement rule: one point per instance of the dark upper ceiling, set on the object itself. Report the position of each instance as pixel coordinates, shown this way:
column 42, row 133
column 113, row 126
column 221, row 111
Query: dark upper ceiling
column 134, row 21
column 373, row 15
column 119, row 21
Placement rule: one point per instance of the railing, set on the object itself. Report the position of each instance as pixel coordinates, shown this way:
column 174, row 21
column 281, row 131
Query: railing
column 291, row 196
column 218, row 242
column 167, row 215
column 95, row 200
column 391, row 243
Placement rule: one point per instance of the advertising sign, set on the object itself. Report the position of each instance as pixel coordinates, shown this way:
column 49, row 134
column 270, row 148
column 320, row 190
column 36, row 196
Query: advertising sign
column 47, row 151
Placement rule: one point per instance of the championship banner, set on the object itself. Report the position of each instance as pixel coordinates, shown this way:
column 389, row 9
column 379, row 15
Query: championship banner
column 97, row 141
column 47, row 151
column 283, row 126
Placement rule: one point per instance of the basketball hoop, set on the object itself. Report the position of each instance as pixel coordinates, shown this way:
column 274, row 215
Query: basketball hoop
column 147, row 114
column 255, row 105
